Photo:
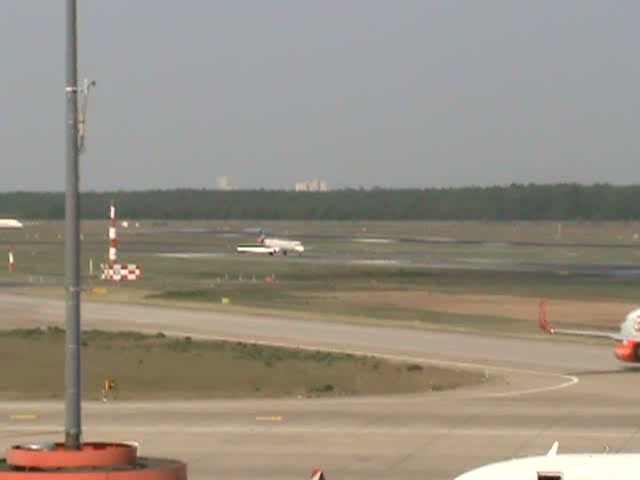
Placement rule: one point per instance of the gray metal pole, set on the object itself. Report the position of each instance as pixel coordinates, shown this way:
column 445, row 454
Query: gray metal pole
column 73, row 430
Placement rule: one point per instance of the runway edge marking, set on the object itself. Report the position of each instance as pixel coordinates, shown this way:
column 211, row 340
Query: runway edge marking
column 569, row 380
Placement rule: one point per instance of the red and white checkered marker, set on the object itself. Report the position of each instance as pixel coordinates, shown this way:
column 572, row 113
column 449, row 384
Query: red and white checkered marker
column 12, row 265
column 118, row 272
column 317, row 474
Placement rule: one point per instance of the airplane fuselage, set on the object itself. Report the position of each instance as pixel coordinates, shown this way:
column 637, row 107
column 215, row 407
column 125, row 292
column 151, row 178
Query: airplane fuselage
column 10, row 223
column 627, row 348
column 254, row 248
column 283, row 246
column 621, row 466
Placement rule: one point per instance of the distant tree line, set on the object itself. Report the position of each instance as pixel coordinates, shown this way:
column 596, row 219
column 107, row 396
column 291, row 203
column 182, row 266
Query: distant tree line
column 513, row 202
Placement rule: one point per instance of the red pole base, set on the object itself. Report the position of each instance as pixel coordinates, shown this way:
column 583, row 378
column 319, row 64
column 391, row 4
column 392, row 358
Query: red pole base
column 94, row 461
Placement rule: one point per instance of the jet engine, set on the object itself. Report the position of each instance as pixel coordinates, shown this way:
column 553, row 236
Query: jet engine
column 628, row 351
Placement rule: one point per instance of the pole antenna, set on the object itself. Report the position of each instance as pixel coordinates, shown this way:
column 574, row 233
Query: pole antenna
column 83, row 104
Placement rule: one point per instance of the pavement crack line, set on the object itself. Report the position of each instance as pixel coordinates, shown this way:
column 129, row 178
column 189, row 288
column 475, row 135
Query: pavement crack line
column 628, row 440
column 427, row 445
column 546, row 428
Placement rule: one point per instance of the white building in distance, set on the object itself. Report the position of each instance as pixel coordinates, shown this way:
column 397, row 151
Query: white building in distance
column 224, row 183
column 315, row 185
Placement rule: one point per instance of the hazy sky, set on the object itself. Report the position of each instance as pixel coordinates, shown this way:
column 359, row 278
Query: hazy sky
column 396, row 93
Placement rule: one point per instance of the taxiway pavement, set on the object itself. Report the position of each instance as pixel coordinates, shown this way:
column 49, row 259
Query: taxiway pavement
column 545, row 390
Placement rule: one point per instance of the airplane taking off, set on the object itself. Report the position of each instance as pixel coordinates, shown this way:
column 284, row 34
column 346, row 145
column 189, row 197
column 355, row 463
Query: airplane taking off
column 570, row 466
column 10, row 223
column 628, row 337
column 271, row 246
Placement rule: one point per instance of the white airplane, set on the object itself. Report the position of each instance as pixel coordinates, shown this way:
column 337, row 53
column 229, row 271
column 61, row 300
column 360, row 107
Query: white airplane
column 271, row 246
column 571, row 466
column 627, row 348
column 10, row 223
column 281, row 245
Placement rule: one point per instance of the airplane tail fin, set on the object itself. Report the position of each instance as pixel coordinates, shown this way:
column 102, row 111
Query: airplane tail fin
column 317, row 474
column 553, row 450
column 543, row 321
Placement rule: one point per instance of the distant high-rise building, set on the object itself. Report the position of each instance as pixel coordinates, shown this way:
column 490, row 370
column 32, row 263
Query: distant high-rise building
column 315, row 185
column 224, row 183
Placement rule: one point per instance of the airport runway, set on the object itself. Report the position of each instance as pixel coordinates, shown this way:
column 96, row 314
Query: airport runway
column 420, row 262
column 543, row 391
column 424, row 239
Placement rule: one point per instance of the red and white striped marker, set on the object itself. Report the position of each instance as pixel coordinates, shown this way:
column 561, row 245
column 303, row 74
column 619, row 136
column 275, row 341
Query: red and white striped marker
column 113, row 237
column 12, row 265
column 114, row 271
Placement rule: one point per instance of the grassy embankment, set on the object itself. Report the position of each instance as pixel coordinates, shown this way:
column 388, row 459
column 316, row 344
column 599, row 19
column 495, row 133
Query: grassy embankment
column 160, row 367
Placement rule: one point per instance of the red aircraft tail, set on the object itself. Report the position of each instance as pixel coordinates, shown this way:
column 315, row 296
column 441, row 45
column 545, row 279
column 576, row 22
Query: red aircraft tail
column 542, row 318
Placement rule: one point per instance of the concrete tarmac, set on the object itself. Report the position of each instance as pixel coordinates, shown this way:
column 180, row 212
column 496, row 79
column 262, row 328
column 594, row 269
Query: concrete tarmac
column 539, row 392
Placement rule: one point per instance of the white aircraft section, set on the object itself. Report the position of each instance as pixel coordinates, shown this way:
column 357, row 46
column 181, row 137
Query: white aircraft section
column 10, row 223
column 571, row 466
column 255, row 249
column 630, row 328
column 271, row 246
column 284, row 245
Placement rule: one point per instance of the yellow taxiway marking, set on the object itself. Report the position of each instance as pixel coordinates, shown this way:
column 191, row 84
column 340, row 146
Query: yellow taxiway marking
column 269, row 419
column 30, row 416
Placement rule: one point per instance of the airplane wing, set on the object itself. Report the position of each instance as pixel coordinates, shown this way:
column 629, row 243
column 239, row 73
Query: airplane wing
column 544, row 325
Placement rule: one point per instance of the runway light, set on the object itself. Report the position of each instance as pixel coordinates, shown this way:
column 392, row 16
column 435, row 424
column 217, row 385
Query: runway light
column 30, row 416
column 269, row 419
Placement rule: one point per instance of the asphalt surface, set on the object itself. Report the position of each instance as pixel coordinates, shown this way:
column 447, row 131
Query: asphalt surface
column 538, row 392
